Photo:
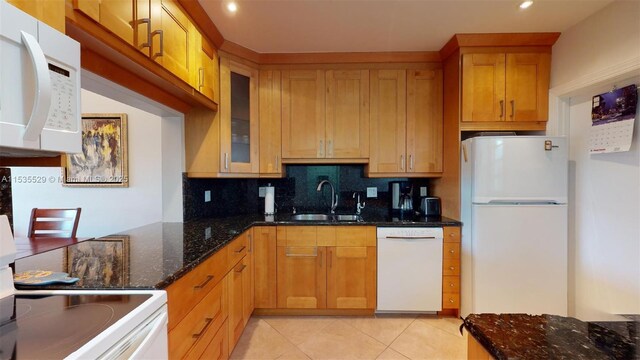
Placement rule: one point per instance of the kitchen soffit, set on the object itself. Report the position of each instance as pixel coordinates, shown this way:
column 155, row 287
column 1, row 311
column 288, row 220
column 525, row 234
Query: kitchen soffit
column 307, row 26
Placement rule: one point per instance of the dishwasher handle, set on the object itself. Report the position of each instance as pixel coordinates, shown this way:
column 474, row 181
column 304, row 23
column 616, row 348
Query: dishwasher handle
column 411, row 237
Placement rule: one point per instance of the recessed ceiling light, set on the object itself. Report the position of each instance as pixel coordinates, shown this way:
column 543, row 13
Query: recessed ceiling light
column 526, row 4
column 233, row 7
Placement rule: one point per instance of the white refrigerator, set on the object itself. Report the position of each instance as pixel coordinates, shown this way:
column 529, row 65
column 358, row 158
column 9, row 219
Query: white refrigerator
column 514, row 234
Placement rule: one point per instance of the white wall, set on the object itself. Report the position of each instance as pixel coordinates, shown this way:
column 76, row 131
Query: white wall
column 155, row 148
column 604, row 225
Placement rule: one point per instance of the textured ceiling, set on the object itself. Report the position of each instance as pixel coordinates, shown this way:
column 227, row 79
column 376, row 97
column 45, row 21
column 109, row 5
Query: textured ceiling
column 291, row 26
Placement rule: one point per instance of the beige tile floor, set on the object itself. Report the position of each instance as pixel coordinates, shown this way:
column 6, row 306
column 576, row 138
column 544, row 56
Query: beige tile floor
column 380, row 337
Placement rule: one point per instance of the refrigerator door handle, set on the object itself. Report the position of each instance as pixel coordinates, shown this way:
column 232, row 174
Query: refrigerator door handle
column 524, row 202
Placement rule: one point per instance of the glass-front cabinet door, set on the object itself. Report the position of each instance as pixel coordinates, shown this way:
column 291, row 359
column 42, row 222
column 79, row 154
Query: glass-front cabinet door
column 238, row 118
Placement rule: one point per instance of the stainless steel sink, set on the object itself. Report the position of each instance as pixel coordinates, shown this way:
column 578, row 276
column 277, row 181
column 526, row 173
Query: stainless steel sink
column 310, row 217
column 348, row 217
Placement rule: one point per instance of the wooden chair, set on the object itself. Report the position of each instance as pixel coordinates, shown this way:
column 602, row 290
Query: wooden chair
column 61, row 223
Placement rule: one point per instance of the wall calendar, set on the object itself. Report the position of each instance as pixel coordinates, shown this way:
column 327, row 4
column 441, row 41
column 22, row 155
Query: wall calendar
column 612, row 118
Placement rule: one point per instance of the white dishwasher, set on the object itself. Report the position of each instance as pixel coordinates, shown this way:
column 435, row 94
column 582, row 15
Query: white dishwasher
column 409, row 269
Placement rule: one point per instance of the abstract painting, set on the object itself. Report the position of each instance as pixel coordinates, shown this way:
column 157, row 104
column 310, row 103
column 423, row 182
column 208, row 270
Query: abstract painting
column 103, row 160
column 99, row 263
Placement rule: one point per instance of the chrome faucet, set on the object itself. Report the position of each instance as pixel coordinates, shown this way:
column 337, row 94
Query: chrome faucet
column 359, row 206
column 334, row 196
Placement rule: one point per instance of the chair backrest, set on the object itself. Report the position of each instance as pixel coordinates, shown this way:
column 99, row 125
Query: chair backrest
column 54, row 222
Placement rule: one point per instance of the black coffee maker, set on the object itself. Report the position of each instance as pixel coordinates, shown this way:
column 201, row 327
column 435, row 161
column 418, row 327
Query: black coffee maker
column 400, row 198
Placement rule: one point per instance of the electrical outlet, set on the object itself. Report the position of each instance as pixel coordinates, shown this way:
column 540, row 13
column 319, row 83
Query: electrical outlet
column 372, row 192
column 262, row 191
column 423, row 191
column 207, row 233
column 207, row 195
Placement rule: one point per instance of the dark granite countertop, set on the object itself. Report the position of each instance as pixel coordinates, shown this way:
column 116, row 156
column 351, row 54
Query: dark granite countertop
column 155, row 255
column 522, row 336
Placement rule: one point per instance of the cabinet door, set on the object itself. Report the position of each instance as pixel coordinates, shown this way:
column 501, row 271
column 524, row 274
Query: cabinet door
column 347, row 114
column 204, row 75
column 303, row 121
column 218, row 348
column 118, row 17
column 236, row 284
column 270, row 123
column 527, row 86
column 351, row 277
column 424, row 121
column 302, row 277
column 248, row 280
column 51, row 12
column 483, row 82
column 265, row 266
column 388, row 121
column 171, row 38
column 238, row 118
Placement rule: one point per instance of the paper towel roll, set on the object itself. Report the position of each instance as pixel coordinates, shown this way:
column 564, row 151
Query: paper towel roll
column 395, row 196
column 269, row 195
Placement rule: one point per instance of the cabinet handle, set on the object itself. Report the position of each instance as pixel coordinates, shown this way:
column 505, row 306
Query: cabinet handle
column 287, row 252
column 451, row 301
column 148, row 22
column 402, row 162
column 161, row 33
column 241, row 269
column 200, row 78
column 451, row 285
column 501, row 109
column 411, row 162
column 321, row 149
column 207, row 323
column 240, row 249
column 452, row 251
column 226, row 161
column 451, row 268
column 513, row 108
column 204, row 283
column 250, row 243
column 330, row 259
column 330, row 148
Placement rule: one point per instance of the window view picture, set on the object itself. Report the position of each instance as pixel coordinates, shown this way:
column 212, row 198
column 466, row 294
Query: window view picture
column 103, row 160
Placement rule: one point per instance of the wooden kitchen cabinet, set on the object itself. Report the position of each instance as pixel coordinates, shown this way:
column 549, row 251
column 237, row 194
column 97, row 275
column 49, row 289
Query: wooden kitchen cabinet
column 303, row 114
column 504, row 87
column 451, row 268
column 351, row 269
column 238, row 281
column 302, row 277
column 172, row 38
column 270, row 106
column 406, row 123
column 239, row 118
column 265, row 245
column 248, row 280
column 51, row 12
column 347, row 114
column 218, row 348
column 116, row 15
column 205, row 78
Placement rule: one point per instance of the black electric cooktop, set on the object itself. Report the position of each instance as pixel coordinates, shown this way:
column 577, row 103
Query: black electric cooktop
column 53, row 327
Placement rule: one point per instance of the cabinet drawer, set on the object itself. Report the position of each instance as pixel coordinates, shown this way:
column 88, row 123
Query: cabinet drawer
column 237, row 249
column 218, row 348
column 297, row 236
column 355, row 236
column 450, row 284
column 451, row 250
column 451, row 234
column 194, row 333
column 185, row 293
column 450, row 301
column 451, row 267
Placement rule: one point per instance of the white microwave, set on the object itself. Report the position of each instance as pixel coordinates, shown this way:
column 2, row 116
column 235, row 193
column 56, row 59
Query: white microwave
column 39, row 87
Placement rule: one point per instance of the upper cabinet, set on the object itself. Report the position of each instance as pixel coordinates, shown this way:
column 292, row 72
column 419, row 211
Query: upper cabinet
column 406, row 123
column 325, row 114
column 51, row 12
column 504, row 88
column 238, row 118
column 303, row 118
column 205, row 78
column 171, row 38
column 270, row 104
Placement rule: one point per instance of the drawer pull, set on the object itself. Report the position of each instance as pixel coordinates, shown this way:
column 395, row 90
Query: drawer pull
column 204, row 283
column 451, row 284
column 452, row 251
column 207, row 323
column 451, row 268
column 451, row 301
column 291, row 253
column 240, row 249
column 241, row 269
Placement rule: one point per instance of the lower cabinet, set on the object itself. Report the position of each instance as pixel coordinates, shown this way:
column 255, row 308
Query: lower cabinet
column 326, row 267
column 241, row 295
column 451, row 269
column 218, row 348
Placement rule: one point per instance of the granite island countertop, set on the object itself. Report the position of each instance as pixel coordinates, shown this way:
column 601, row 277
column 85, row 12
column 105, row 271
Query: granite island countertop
column 155, row 255
column 522, row 336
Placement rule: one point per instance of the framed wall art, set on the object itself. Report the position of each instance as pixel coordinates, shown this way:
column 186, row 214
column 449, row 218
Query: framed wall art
column 103, row 161
column 99, row 263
